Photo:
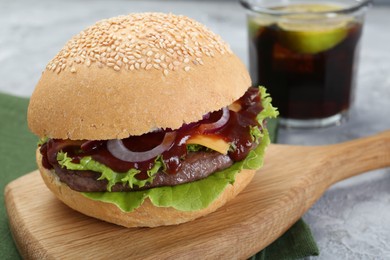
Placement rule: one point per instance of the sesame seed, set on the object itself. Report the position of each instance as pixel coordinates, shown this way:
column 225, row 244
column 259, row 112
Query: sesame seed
column 146, row 40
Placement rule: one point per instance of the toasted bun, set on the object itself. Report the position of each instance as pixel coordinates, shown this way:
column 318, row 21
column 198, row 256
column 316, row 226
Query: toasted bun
column 132, row 74
column 147, row 215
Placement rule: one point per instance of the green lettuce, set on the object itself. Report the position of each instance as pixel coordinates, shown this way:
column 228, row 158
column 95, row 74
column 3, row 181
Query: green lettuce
column 199, row 194
column 112, row 177
column 268, row 110
column 195, row 147
column 256, row 134
column 189, row 196
column 42, row 140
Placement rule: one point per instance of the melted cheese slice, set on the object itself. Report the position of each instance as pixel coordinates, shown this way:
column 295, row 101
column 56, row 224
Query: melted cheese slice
column 210, row 141
column 235, row 106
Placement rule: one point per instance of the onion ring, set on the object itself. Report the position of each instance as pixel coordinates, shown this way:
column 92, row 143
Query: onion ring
column 120, row 151
column 217, row 124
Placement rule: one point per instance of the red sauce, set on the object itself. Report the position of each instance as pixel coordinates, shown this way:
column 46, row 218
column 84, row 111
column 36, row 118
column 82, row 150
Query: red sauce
column 235, row 131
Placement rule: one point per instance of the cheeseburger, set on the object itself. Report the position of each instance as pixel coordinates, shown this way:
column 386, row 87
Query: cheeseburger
column 148, row 120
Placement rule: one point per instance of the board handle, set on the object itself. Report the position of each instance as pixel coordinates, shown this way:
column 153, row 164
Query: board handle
column 358, row 156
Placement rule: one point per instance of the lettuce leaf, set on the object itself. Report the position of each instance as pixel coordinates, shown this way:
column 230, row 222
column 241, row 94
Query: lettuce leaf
column 112, row 177
column 189, row 196
column 268, row 110
column 256, row 134
column 199, row 194
column 42, row 140
column 194, row 147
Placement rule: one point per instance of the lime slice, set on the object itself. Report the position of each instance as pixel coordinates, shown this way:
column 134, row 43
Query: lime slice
column 308, row 8
column 312, row 32
column 257, row 24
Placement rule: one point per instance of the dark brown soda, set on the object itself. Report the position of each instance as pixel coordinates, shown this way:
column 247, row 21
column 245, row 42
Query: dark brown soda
column 305, row 86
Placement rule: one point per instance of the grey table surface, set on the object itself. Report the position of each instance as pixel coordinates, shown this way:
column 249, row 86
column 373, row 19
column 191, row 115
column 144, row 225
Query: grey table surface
column 352, row 219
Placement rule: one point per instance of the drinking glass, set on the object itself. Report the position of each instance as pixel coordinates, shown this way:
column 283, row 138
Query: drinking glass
column 306, row 54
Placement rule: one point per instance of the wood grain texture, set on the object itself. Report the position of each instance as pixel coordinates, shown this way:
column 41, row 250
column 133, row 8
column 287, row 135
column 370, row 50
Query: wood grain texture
column 293, row 178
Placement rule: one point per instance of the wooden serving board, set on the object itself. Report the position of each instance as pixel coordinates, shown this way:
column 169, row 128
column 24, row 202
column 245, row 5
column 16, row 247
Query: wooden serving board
column 293, row 178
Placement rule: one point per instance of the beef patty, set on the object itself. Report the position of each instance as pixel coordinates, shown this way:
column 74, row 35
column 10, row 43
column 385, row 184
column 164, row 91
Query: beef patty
column 196, row 166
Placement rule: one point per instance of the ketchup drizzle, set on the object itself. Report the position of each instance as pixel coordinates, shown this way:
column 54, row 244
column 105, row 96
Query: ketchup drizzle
column 235, row 131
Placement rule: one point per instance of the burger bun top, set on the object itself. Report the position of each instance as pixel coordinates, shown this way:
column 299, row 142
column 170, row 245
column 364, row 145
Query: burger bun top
column 133, row 74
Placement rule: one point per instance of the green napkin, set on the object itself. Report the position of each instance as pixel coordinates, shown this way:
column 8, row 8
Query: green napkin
column 17, row 150
column 296, row 243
